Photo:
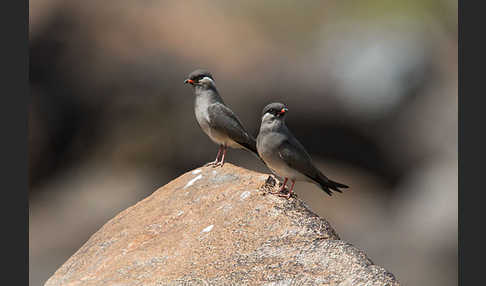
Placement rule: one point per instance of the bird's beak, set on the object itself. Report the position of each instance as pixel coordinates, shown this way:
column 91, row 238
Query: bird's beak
column 283, row 110
column 189, row 81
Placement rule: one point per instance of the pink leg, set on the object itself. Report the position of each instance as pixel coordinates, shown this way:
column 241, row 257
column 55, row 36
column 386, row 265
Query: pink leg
column 224, row 155
column 282, row 188
column 290, row 191
column 221, row 163
column 215, row 162
column 283, row 185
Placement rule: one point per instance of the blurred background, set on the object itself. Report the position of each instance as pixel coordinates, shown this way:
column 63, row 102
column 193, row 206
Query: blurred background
column 371, row 86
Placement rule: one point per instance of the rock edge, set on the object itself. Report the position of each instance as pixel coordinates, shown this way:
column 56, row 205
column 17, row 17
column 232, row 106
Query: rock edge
column 219, row 226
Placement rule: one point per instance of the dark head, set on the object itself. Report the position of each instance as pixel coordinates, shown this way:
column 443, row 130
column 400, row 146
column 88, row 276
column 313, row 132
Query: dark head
column 274, row 111
column 200, row 77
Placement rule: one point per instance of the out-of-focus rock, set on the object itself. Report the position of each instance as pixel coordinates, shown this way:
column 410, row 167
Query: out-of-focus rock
column 219, row 226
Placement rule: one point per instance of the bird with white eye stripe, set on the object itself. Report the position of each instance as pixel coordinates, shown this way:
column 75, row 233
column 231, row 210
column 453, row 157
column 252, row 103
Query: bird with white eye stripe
column 285, row 155
column 217, row 120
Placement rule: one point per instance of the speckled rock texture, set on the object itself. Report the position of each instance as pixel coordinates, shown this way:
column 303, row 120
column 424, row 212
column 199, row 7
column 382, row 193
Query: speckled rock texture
column 218, row 226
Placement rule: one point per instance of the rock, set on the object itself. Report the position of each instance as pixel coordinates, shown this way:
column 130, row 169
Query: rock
column 219, row 226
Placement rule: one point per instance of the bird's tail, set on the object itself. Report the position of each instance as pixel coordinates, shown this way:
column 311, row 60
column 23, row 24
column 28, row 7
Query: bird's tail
column 328, row 185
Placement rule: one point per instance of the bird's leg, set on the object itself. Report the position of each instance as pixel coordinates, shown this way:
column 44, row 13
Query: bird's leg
column 282, row 188
column 290, row 191
column 221, row 163
column 217, row 158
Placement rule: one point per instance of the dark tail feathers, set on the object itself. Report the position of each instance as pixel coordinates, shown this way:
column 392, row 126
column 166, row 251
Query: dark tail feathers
column 328, row 185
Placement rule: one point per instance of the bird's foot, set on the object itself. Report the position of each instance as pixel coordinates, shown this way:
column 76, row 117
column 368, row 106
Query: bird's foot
column 276, row 192
column 287, row 196
column 282, row 192
column 285, row 193
column 281, row 189
column 217, row 164
column 213, row 163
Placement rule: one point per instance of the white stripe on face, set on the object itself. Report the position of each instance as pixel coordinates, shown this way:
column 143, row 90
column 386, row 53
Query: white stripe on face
column 206, row 79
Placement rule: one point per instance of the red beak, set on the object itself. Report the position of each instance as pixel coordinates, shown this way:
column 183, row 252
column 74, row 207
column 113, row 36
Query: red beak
column 283, row 110
column 189, row 81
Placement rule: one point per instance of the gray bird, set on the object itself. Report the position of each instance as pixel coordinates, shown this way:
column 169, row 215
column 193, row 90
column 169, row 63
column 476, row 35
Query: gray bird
column 216, row 120
column 285, row 156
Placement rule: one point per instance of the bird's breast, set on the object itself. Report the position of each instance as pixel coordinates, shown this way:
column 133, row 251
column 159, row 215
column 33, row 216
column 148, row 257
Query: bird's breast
column 268, row 147
column 202, row 115
column 203, row 119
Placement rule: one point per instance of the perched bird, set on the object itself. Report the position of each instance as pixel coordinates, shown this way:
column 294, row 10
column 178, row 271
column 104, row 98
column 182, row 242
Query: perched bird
column 216, row 119
column 284, row 155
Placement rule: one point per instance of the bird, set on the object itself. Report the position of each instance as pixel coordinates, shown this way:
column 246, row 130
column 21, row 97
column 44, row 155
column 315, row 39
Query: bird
column 285, row 156
column 216, row 119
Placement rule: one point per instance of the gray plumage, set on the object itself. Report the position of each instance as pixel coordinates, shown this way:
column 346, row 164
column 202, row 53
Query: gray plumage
column 284, row 154
column 217, row 120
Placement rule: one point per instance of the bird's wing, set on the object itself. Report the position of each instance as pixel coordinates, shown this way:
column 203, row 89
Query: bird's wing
column 296, row 157
column 224, row 120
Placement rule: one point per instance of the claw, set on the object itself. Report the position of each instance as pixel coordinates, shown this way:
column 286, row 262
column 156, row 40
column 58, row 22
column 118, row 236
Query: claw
column 276, row 192
column 283, row 188
column 287, row 196
column 211, row 164
column 216, row 161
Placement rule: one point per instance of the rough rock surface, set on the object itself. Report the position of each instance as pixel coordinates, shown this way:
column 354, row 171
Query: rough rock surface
column 218, row 226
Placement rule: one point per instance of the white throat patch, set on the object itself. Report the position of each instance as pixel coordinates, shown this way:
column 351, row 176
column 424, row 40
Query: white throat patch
column 267, row 117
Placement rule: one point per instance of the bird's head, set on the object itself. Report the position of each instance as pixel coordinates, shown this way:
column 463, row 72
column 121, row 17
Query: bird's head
column 200, row 77
column 274, row 111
